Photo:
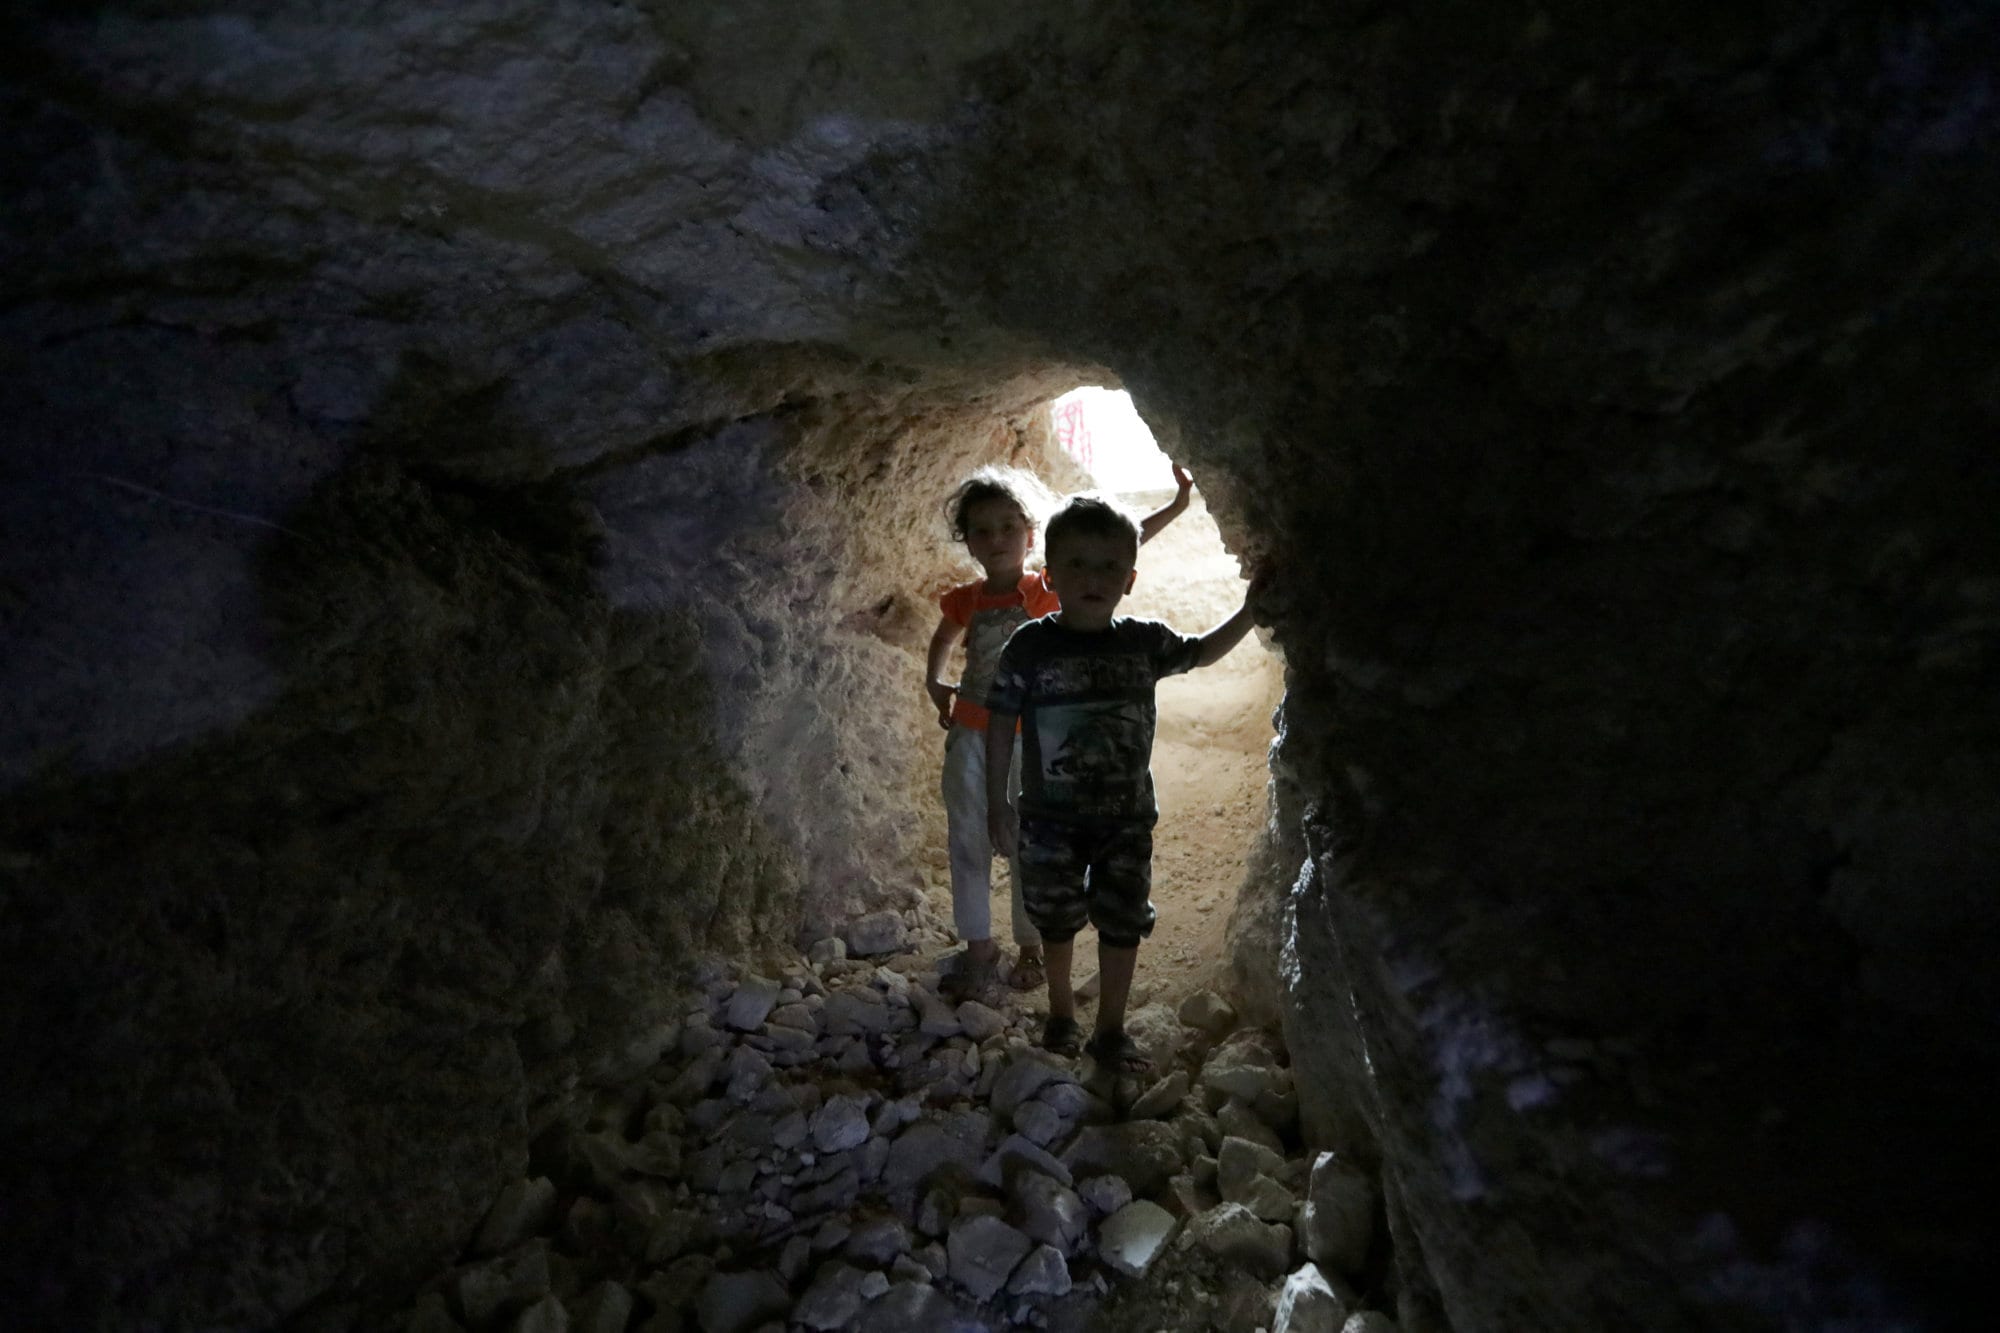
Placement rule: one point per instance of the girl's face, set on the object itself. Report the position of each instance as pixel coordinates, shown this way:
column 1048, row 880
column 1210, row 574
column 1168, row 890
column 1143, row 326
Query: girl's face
column 999, row 536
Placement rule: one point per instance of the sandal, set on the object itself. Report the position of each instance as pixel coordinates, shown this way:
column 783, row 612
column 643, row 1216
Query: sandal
column 1062, row 1036
column 1029, row 972
column 1115, row 1050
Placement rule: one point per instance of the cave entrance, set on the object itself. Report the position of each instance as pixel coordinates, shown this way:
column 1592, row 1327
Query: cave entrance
column 1210, row 756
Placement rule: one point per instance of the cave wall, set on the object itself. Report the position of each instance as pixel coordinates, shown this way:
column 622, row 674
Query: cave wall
column 470, row 475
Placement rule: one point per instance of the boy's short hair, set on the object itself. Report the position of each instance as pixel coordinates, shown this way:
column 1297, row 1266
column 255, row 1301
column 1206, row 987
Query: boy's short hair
column 1018, row 488
column 1091, row 514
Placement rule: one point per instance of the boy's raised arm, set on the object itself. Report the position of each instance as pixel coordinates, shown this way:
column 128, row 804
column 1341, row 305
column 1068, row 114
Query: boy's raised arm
column 1150, row 525
column 1000, row 825
column 1215, row 645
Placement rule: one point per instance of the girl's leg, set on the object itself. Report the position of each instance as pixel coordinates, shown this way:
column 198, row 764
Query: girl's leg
column 1027, row 940
column 964, row 790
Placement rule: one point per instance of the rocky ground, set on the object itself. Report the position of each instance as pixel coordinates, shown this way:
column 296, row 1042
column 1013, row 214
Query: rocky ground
column 838, row 1147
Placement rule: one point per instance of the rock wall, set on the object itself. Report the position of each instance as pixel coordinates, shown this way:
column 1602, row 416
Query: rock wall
column 470, row 482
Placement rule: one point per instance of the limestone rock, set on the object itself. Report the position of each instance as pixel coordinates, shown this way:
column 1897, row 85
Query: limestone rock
column 1230, row 1232
column 1023, row 1078
column 875, row 934
column 1144, row 1152
column 1338, row 1220
column 908, row 1307
column 833, row 1298
column 523, row 1208
column 983, row 1253
column 979, row 1021
column 740, row 1302
column 751, row 1004
column 1236, row 1118
column 1308, row 1304
column 855, row 1012
column 1369, row 1321
column 840, row 1124
column 877, row 1241
column 832, row 949
column 1017, row 1153
column 1208, row 1013
column 1042, row 1273
column 1162, row 1098
column 1046, row 1210
column 1105, row 1194
column 1038, row 1122
column 1134, row 1237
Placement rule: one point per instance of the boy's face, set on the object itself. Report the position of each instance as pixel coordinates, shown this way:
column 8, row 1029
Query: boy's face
column 999, row 536
column 1091, row 575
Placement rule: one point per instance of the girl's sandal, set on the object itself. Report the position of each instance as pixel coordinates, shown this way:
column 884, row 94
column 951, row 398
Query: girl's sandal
column 1062, row 1036
column 1028, row 973
column 1115, row 1050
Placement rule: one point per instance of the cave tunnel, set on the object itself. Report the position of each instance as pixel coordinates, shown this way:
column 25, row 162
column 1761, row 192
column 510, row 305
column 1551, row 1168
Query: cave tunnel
column 470, row 513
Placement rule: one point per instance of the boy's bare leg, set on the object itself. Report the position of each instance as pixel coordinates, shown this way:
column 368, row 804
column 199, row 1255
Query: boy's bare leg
column 1115, row 967
column 1062, row 1002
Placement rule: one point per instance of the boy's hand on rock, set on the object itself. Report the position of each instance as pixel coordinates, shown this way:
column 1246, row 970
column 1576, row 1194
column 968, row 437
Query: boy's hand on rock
column 941, row 694
column 1002, row 829
column 1183, row 480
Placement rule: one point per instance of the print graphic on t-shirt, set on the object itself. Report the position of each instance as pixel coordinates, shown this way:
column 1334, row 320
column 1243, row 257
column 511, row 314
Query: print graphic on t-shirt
column 1086, row 748
column 986, row 636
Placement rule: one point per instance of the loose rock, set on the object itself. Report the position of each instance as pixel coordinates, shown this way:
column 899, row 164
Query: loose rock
column 983, row 1253
column 1338, row 1220
column 1230, row 1232
column 1135, row 1236
column 876, row 933
column 1308, row 1304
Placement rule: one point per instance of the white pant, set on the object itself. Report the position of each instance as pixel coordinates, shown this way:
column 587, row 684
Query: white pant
column 971, row 848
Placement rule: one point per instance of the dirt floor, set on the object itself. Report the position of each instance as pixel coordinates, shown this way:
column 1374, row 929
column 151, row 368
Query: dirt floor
column 1209, row 763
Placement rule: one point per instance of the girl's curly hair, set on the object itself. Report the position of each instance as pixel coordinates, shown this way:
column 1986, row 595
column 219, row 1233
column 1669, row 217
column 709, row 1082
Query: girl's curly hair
column 1021, row 489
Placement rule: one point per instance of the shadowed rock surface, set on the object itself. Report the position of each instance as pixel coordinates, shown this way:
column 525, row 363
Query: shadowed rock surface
column 469, row 500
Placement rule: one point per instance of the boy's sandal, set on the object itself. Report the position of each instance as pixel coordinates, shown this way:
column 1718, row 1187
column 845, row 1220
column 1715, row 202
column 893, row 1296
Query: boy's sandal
column 1115, row 1050
column 1028, row 972
column 1062, row 1036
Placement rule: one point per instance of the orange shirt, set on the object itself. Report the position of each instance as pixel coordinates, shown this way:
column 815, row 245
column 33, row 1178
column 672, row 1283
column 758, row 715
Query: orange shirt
column 989, row 620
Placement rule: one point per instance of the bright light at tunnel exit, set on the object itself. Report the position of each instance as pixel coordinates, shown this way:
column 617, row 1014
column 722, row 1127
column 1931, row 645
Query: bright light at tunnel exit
column 1102, row 432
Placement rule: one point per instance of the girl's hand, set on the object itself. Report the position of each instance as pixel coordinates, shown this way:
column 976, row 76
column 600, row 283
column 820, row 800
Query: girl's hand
column 1002, row 828
column 1183, row 481
column 941, row 695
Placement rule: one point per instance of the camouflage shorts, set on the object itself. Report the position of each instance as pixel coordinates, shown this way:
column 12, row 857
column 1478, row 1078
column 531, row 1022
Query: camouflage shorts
column 1101, row 872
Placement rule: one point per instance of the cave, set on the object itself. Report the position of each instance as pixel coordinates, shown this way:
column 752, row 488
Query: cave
column 471, row 514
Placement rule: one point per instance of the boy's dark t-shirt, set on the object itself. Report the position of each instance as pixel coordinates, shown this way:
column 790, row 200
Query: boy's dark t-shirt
column 1085, row 700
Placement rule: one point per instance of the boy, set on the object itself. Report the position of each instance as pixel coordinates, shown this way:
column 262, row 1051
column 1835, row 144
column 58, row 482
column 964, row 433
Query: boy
column 1080, row 683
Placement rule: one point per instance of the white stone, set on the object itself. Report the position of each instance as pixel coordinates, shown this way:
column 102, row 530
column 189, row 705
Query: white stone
column 523, row 1208
column 1038, row 1122
column 1231, row 1232
column 874, row 1285
column 833, row 1298
column 982, row 1253
column 980, row 1021
column 1042, row 1273
column 1132, row 1238
column 1022, row 1079
column 1105, row 1194
column 1237, row 1118
column 1163, row 1097
column 748, row 1071
column 1338, row 1220
column 935, row 1018
column 855, row 1012
column 828, row 950
column 876, row 933
column 1205, row 1011
column 877, row 1241
column 840, row 1124
column 1308, row 1304
column 751, row 1004
column 1016, row 1152
column 1047, row 1211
